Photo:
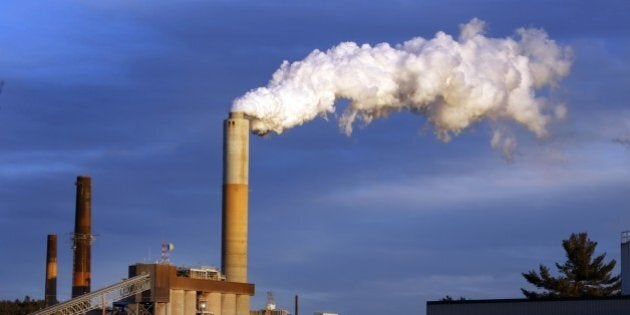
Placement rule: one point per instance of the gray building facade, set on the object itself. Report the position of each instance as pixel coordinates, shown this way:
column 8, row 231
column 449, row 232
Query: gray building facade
column 619, row 305
column 625, row 263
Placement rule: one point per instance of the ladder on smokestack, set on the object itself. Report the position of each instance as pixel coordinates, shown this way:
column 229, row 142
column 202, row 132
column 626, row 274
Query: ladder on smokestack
column 100, row 298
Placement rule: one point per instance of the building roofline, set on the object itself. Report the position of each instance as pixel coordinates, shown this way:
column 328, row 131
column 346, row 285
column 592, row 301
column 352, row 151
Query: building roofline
column 617, row 297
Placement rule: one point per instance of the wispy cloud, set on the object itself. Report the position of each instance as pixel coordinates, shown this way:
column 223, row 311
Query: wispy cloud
column 439, row 285
column 541, row 172
column 38, row 162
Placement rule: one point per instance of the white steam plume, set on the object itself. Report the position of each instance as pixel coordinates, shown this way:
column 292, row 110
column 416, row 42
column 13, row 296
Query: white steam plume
column 454, row 83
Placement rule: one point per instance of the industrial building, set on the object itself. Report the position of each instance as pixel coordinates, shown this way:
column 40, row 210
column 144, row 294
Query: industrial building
column 165, row 289
column 614, row 305
column 162, row 288
column 205, row 290
column 177, row 290
column 618, row 305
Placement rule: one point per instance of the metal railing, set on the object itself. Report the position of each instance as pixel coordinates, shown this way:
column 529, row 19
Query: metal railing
column 100, row 298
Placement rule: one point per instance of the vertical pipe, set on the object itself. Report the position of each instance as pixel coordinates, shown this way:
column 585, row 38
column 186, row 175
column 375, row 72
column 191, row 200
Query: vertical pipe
column 242, row 304
column 177, row 302
column 296, row 305
column 214, row 302
column 190, row 302
column 50, row 290
column 228, row 304
column 82, row 238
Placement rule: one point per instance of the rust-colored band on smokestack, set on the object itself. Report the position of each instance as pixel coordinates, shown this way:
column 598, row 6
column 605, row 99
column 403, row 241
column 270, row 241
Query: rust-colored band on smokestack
column 50, row 289
column 82, row 238
column 235, row 203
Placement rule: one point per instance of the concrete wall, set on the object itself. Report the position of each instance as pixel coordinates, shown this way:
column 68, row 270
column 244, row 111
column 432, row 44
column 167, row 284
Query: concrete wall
column 242, row 304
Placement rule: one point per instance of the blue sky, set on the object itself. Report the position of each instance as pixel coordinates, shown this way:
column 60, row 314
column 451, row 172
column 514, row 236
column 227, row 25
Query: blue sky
column 134, row 94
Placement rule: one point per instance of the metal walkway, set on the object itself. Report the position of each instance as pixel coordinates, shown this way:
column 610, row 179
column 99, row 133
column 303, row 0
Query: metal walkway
column 97, row 299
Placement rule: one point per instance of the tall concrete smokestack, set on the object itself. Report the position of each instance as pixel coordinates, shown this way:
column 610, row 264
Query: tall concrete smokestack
column 235, row 203
column 82, row 238
column 50, row 290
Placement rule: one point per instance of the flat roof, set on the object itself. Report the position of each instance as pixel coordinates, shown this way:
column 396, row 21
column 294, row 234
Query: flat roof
column 616, row 297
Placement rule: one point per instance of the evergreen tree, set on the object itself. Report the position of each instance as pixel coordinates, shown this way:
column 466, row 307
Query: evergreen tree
column 580, row 275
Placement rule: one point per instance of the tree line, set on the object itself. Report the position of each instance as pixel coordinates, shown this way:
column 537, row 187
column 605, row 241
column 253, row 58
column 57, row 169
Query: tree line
column 21, row 307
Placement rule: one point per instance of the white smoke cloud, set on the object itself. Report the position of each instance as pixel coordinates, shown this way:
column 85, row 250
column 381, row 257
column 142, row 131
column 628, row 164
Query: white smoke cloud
column 454, row 83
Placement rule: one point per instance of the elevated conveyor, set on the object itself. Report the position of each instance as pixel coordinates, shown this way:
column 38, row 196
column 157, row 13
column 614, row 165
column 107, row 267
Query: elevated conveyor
column 97, row 299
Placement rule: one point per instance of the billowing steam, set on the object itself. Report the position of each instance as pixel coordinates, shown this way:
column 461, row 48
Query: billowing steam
column 454, row 83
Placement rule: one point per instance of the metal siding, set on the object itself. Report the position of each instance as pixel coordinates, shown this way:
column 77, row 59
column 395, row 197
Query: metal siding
column 584, row 307
column 625, row 268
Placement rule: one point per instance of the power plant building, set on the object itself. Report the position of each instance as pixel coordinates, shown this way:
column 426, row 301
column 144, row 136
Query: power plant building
column 186, row 291
column 191, row 291
column 173, row 290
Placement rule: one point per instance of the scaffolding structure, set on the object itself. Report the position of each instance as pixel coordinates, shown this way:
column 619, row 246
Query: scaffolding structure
column 100, row 298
